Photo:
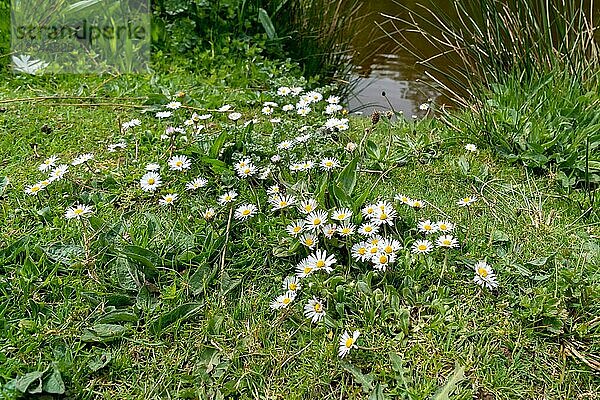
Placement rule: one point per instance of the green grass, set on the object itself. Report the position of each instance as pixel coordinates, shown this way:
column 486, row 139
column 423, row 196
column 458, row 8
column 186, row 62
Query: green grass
column 184, row 326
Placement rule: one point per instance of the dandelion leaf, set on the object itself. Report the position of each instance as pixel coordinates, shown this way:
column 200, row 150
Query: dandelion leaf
column 443, row 393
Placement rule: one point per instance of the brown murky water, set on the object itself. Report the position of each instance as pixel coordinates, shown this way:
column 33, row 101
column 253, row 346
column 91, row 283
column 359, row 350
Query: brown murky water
column 382, row 66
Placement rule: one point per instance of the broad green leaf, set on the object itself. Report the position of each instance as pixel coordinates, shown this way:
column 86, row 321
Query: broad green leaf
column 347, row 178
column 443, row 393
column 228, row 284
column 217, row 145
column 53, row 383
column 266, row 22
column 103, row 333
column 377, row 393
column 117, row 316
column 366, row 381
column 201, row 279
column 181, row 313
column 30, row 382
column 341, row 197
column 373, row 151
column 147, row 258
column 100, row 362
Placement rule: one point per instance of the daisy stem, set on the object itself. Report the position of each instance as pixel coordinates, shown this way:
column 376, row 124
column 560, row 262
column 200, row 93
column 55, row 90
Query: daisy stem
column 444, row 266
column 224, row 251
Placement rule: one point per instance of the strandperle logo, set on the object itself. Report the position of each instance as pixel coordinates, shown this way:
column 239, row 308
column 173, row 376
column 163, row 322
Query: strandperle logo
column 86, row 36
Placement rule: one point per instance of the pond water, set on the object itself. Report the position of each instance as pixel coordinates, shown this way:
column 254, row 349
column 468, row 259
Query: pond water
column 383, row 66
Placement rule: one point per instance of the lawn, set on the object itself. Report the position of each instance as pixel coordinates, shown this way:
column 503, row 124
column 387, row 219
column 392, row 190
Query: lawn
column 485, row 281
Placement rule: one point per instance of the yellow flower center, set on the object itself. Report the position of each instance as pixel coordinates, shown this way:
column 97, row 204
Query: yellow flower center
column 368, row 228
column 362, row 251
column 320, row 264
column 151, row 181
column 227, row 198
column 341, row 216
column 307, row 270
column 482, row 272
column 246, row 212
column 443, row 227
column 247, row 171
column 35, row 189
column 283, row 203
column 388, row 249
column 446, row 242
column 328, row 164
column 346, row 231
column 427, row 227
column 292, row 286
column 287, row 300
column 422, row 247
column 318, row 307
column 309, row 242
column 349, row 342
column 78, row 211
column 383, row 216
column 179, row 163
column 308, row 208
column 383, row 259
column 317, row 221
column 297, row 229
column 466, row 199
column 373, row 250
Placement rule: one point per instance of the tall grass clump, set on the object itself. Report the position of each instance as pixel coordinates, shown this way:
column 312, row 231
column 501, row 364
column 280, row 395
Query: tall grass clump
column 317, row 34
column 528, row 72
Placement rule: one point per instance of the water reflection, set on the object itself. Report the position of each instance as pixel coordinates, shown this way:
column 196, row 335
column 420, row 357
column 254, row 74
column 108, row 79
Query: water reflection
column 382, row 65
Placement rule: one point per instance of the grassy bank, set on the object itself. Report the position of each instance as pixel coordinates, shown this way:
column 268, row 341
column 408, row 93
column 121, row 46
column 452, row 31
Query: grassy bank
column 141, row 300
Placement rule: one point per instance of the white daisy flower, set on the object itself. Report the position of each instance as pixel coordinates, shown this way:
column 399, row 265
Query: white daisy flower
column 382, row 260
column 368, row 229
column 114, row 146
column 427, row 227
column 347, row 343
column 285, row 145
column 346, row 229
column 174, row 105
column 303, row 111
column 234, row 116
column 389, row 246
column 329, row 230
column 297, row 90
column 404, row 199
column 316, row 219
column 284, row 300
column 466, row 201
column 303, row 269
column 82, row 159
column 446, row 241
column 58, row 172
column 314, row 96
column 369, row 211
column 320, row 261
column 245, row 211
column 196, row 184
column 328, row 164
column 333, row 100
column 485, row 276
column 224, row 108
column 471, row 147
column 314, row 310
column 274, row 189
column 341, row 214
column 209, row 214
column 227, row 197
column 288, row 108
column 292, row 283
column 131, row 124
column 284, row 91
column 150, row 181
column 281, row 201
column 385, row 216
column 302, row 138
column 266, row 110
column 163, row 114
column 246, row 171
column 308, row 239
column 179, row 163
column 360, row 251
column 78, row 211
column 48, row 163
column 417, row 204
column 295, row 228
column 332, row 109
column 444, row 226
column 34, row 189
column 422, row 247
column 308, row 206
column 168, row 199
column 152, row 167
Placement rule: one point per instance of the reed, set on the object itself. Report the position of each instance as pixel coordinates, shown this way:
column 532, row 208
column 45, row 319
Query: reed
column 490, row 41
